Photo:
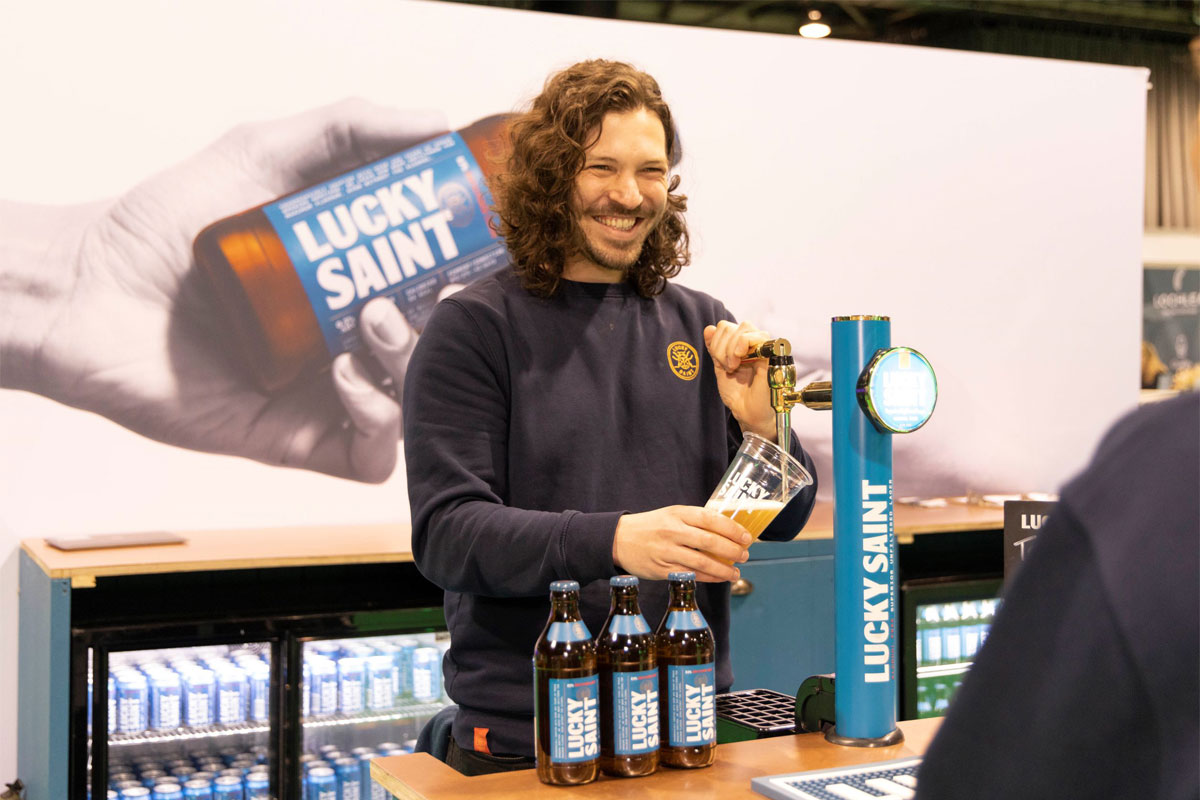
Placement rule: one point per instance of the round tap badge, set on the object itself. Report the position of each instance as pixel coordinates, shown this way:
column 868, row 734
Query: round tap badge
column 898, row 390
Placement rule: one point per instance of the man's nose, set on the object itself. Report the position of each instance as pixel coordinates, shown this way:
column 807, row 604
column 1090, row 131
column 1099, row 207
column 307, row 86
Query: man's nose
column 625, row 192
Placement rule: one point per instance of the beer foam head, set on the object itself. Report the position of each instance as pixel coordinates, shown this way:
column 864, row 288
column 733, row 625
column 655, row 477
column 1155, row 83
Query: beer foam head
column 731, row 505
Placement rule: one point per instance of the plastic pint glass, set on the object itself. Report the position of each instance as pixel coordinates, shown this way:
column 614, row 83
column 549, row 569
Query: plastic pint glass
column 757, row 485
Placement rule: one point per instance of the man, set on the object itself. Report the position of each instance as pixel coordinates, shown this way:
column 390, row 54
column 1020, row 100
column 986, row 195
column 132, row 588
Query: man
column 566, row 419
column 1088, row 685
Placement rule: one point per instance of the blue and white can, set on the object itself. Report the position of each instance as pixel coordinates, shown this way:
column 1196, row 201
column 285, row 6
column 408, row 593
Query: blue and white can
column 231, row 696
column 381, row 686
column 322, row 784
column 197, row 789
column 259, row 675
column 135, row 793
column 377, row 792
column 151, row 777
column 166, row 701
column 168, row 791
column 331, row 649
column 258, row 786
column 116, row 776
column 133, row 702
column 351, row 683
column 427, row 674
column 349, row 778
column 199, row 692
column 227, row 787
column 323, row 699
column 385, row 648
column 405, row 649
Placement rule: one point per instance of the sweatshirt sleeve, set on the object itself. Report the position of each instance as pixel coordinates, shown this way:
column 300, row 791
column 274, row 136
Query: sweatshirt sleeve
column 465, row 537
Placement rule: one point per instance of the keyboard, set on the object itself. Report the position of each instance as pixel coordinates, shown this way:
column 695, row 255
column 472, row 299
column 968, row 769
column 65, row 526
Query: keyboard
column 883, row 780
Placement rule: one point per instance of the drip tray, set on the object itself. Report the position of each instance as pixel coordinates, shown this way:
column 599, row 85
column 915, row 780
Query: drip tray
column 754, row 714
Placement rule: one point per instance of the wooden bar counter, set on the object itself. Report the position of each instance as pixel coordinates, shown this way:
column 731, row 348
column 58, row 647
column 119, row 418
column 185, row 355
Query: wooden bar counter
column 420, row 776
column 369, row 544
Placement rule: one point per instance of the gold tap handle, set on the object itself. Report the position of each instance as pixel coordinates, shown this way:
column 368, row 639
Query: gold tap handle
column 768, row 349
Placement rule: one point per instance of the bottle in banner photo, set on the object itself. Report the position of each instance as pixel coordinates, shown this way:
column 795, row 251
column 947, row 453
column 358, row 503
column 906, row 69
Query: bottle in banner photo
column 566, row 692
column 627, row 658
column 687, row 675
column 292, row 275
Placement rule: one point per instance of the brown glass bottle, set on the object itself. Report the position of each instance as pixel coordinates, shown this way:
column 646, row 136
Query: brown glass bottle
column 566, row 707
column 627, row 658
column 687, row 679
column 282, row 332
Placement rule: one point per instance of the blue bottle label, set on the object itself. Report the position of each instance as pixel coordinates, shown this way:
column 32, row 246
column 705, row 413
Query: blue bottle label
column 685, row 621
column 568, row 632
column 692, row 713
column 402, row 227
column 628, row 624
column 574, row 719
column 635, row 712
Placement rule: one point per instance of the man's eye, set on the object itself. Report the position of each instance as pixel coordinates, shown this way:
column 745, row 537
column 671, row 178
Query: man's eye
column 600, row 168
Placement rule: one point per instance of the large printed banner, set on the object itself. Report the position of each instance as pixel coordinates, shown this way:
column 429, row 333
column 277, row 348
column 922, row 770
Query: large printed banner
column 957, row 193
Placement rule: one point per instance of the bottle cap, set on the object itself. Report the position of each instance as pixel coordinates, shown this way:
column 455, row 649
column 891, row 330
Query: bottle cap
column 682, row 576
column 623, row 580
column 564, row 586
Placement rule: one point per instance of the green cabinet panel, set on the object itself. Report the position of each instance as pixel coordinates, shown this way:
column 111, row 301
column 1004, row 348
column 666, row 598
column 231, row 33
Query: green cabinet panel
column 782, row 631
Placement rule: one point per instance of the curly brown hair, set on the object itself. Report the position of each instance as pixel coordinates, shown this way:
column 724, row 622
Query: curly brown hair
column 547, row 147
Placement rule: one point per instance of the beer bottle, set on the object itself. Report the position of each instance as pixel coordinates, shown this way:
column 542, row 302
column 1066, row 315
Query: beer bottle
column 566, row 693
column 626, row 657
column 291, row 275
column 687, row 679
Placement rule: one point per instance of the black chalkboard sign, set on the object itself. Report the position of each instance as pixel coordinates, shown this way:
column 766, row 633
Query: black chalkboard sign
column 1022, row 521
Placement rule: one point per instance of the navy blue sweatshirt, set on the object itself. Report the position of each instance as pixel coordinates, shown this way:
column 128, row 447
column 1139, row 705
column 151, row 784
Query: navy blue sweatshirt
column 530, row 426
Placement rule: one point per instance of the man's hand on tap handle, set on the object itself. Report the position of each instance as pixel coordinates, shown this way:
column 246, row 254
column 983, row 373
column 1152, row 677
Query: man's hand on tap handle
column 742, row 383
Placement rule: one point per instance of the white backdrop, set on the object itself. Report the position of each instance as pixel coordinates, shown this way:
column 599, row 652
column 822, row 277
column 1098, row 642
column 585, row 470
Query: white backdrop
column 990, row 205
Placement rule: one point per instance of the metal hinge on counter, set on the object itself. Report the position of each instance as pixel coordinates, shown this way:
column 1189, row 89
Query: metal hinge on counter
column 13, row 791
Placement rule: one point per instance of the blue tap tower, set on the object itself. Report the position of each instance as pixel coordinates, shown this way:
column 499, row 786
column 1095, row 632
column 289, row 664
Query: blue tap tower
column 877, row 391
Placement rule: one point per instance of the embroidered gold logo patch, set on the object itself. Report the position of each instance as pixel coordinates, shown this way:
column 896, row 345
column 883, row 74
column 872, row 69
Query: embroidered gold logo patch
column 684, row 361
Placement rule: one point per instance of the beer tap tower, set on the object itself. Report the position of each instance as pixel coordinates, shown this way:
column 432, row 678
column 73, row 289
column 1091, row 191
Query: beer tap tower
column 877, row 391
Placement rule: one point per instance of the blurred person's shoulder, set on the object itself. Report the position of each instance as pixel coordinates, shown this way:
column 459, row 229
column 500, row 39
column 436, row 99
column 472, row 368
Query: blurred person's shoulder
column 1138, row 501
column 1149, row 455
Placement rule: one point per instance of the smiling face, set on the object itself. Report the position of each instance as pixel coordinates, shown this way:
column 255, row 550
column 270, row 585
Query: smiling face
column 620, row 196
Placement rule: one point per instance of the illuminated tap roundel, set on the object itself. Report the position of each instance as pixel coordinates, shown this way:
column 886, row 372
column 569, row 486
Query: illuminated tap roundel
column 897, row 390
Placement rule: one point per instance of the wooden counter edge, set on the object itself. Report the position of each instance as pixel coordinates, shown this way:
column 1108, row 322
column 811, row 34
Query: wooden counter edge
column 434, row 779
column 195, row 555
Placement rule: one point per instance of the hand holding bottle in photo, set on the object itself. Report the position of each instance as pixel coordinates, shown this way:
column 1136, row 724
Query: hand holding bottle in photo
column 102, row 308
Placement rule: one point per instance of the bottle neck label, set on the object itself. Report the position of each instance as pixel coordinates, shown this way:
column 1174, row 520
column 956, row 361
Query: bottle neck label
column 628, row 624
column 686, row 620
column 568, row 632
column 692, row 704
column 635, row 712
column 574, row 719
column 402, row 227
